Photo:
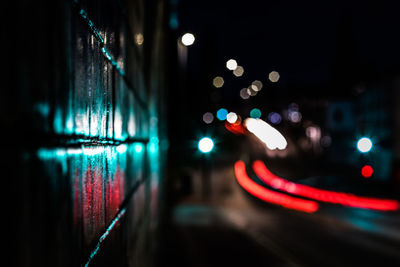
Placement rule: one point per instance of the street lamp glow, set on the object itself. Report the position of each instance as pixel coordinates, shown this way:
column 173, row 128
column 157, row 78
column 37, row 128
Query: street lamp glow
column 364, row 145
column 187, row 39
column 205, row 145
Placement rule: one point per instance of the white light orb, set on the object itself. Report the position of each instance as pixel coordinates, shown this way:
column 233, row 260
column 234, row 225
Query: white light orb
column 231, row 64
column 187, row 39
column 206, row 144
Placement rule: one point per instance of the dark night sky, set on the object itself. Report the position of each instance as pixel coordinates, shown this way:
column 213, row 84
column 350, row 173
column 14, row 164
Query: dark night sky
column 311, row 43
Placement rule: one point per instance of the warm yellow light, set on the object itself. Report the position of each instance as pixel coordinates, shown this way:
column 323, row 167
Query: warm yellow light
column 218, row 82
column 251, row 92
column 238, row 72
column 139, row 39
column 274, row 76
column 256, row 85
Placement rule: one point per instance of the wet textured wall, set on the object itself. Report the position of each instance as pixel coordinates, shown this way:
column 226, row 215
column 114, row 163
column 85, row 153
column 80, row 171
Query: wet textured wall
column 83, row 117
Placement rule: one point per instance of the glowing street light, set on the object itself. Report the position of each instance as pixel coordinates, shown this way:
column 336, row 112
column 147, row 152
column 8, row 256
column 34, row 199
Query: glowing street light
column 206, row 144
column 187, row 39
column 364, row 145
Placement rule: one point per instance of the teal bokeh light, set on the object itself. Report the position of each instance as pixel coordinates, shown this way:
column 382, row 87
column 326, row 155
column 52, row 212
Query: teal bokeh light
column 255, row 113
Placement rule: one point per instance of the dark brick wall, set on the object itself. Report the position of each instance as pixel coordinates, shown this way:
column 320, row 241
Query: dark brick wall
column 82, row 113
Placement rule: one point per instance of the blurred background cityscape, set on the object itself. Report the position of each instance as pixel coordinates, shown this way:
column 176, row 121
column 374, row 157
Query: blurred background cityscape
column 202, row 133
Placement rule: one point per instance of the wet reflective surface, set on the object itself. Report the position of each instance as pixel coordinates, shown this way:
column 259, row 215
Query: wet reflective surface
column 80, row 197
column 83, row 133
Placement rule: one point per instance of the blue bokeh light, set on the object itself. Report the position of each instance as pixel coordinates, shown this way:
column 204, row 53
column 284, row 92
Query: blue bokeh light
column 221, row 114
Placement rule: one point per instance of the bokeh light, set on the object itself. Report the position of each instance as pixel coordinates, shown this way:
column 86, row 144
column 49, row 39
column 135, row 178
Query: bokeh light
column 314, row 133
column 251, row 92
column 244, row 94
column 255, row 113
column 187, row 39
column 221, row 114
column 139, row 39
column 231, row 117
column 206, row 144
column 274, row 76
column 256, row 85
column 238, row 72
column 274, row 118
column 231, row 64
column 208, row 117
column 367, row 171
column 218, row 82
column 364, row 145
column 294, row 116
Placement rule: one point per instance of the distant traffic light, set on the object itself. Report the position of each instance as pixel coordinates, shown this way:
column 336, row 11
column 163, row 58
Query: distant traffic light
column 206, row 145
column 364, row 145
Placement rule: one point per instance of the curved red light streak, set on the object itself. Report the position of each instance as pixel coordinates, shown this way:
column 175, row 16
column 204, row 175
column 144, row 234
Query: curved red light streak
column 344, row 199
column 270, row 196
column 236, row 128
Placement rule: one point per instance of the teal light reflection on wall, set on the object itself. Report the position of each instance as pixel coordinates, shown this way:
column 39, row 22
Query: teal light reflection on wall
column 138, row 147
column 153, row 145
column 122, row 148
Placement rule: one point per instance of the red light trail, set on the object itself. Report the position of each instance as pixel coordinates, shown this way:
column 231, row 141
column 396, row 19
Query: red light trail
column 344, row 199
column 270, row 196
